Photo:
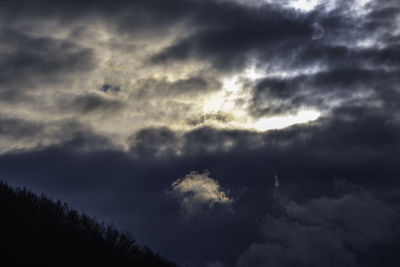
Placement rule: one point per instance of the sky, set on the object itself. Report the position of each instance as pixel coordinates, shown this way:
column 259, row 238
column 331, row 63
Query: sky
column 222, row 133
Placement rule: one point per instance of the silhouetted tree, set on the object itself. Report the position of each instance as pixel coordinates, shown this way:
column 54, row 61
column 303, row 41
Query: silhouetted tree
column 36, row 231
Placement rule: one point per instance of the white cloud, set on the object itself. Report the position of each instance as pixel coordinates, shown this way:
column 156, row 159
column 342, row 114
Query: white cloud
column 304, row 5
column 198, row 192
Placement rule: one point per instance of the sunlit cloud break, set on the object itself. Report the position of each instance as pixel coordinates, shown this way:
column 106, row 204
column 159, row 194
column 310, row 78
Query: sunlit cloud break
column 279, row 122
column 198, row 192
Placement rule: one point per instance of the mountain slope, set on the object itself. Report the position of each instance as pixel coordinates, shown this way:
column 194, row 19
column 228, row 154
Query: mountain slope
column 36, row 231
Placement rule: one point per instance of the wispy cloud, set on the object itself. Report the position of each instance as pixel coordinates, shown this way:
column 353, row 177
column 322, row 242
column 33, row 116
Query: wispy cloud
column 198, row 192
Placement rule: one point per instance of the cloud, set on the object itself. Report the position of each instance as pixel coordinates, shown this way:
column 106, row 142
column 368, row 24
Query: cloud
column 132, row 189
column 231, row 44
column 186, row 88
column 14, row 128
column 17, row 135
column 31, row 61
column 167, row 66
column 198, row 192
column 324, row 90
column 102, row 113
column 164, row 142
column 325, row 231
column 94, row 103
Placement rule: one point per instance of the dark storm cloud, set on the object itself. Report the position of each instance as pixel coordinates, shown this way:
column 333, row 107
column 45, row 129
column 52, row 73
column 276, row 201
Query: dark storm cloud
column 285, row 95
column 383, row 17
column 164, row 142
column 357, row 139
column 354, row 142
column 359, row 144
column 154, row 141
column 73, row 10
column 341, row 56
column 230, row 34
column 209, row 140
column 131, row 190
column 327, row 232
column 147, row 17
column 307, row 158
column 37, row 135
column 343, row 31
column 226, row 33
column 345, row 71
column 29, row 61
column 74, row 136
column 92, row 103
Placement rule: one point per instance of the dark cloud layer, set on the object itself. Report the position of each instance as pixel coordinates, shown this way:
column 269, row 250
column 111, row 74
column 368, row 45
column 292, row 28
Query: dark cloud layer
column 92, row 103
column 31, row 61
column 131, row 192
column 320, row 90
column 351, row 75
column 230, row 34
column 130, row 189
column 327, row 232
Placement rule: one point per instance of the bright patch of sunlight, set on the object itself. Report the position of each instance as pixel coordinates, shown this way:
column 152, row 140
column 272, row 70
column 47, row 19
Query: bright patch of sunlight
column 265, row 124
column 304, row 5
column 227, row 101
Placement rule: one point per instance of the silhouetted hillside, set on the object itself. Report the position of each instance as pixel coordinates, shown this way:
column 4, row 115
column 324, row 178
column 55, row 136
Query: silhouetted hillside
column 36, row 231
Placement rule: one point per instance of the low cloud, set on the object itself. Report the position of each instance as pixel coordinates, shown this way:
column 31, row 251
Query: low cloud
column 325, row 231
column 198, row 192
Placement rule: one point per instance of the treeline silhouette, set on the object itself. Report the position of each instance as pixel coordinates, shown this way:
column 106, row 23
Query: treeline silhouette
column 36, row 231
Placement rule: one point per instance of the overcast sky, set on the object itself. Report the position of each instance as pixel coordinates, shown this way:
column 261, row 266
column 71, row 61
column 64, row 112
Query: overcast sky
column 241, row 133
